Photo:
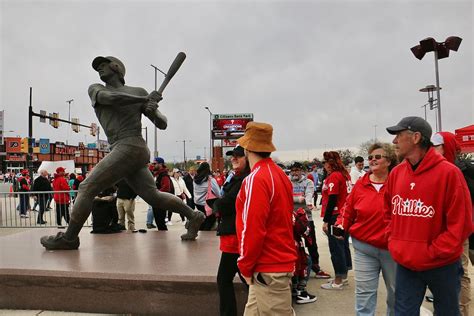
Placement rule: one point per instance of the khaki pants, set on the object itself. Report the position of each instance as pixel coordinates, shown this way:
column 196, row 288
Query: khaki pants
column 465, row 295
column 270, row 295
column 125, row 206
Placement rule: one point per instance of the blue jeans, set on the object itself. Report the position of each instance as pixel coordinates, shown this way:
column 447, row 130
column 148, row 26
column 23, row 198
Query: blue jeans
column 149, row 215
column 340, row 253
column 444, row 283
column 369, row 261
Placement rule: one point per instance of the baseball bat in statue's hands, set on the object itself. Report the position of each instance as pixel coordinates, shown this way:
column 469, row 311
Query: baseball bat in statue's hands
column 178, row 61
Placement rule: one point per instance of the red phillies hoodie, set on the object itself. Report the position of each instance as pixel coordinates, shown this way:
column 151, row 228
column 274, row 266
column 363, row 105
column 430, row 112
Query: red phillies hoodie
column 428, row 213
column 264, row 221
column 362, row 215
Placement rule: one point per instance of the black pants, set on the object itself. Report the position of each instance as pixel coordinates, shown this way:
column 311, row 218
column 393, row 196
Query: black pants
column 62, row 210
column 42, row 201
column 160, row 216
column 171, row 214
column 225, row 283
column 210, row 220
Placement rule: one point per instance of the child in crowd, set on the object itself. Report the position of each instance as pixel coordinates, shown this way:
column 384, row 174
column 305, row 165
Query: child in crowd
column 301, row 230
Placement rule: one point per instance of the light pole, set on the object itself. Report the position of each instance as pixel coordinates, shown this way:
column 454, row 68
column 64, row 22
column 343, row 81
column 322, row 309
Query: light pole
column 155, row 151
column 375, row 133
column 431, row 100
column 441, row 50
column 210, row 133
column 69, row 118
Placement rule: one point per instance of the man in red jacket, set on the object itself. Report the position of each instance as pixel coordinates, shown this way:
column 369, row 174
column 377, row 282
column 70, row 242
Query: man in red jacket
column 428, row 215
column 61, row 195
column 264, row 226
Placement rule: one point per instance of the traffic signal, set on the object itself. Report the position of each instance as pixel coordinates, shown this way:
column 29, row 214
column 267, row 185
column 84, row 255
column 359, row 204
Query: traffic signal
column 24, row 145
column 74, row 125
column 52, row 121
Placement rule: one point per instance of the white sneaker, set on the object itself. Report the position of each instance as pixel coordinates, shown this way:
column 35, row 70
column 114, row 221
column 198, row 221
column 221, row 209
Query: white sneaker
column 344, row 281
column 332, row 286
column 170, row 223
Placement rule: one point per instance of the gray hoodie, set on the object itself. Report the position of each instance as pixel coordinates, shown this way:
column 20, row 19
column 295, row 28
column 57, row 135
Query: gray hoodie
column 303, row 190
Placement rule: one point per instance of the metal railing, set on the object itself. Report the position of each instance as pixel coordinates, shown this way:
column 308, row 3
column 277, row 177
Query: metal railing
column 24, row 209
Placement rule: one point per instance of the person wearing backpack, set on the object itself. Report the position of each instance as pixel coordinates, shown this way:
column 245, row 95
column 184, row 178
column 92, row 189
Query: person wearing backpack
column 446, row 144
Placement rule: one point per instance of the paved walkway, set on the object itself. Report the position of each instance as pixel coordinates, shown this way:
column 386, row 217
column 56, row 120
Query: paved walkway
column 328, row 303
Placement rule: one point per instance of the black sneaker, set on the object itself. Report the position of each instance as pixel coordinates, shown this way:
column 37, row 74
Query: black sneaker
column 429, row 298
column 58, row 242
column 304, row 298
column 295, row 293
column 150, row 226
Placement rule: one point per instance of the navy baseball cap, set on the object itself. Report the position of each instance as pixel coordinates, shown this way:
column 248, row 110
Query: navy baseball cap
column 414, row 124
column 159, row 160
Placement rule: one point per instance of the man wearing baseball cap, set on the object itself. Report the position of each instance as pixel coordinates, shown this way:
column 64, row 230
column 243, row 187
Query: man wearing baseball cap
column 119, row 109
column 428, row 217
column 264, row 226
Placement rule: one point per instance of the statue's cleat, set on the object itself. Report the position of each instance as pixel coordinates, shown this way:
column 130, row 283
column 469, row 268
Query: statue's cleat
column 59, row 242
column 193, row 226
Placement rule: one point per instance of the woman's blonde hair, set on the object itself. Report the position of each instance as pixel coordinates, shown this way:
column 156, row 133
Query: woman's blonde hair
column 389, row 150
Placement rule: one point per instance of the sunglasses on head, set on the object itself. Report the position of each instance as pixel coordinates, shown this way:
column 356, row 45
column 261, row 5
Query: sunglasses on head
column 376, row 157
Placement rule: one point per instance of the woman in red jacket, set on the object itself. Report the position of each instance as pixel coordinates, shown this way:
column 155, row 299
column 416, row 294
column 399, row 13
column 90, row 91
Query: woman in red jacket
column 335, row 189
column 362, row 217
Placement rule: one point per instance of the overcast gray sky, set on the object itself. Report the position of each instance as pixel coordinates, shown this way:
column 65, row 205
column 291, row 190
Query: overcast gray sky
column 323, row 73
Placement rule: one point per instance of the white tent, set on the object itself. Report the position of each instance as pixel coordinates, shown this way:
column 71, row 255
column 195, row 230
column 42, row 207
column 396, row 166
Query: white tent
column 51, row 166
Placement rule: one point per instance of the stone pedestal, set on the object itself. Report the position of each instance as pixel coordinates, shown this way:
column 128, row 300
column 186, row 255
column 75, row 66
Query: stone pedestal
column 139, row 273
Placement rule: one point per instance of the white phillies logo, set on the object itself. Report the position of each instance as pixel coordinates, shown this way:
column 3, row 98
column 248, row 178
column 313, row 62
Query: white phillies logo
column 412, row 185
column 411, row 207
column 331, row 185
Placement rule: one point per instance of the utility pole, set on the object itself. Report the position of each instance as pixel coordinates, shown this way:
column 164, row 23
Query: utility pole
column 184, row 151
column 30, row 135
column 69, row 101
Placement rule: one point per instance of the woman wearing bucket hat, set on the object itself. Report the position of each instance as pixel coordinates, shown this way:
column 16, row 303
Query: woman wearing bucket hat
column 264, row 226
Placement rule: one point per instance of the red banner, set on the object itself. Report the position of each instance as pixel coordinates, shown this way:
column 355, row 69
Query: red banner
column 13, row 144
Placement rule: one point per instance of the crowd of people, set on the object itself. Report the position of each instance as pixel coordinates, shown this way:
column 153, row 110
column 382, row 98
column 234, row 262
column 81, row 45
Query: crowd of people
column 60, row 188
column 414, row 234
column 411, row 221
column 409, row 218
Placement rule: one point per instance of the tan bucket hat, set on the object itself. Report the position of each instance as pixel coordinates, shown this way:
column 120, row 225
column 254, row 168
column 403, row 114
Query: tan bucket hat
column 257, row 137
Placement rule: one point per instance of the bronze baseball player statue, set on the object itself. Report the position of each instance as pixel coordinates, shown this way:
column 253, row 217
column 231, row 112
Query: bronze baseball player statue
column 119, row 109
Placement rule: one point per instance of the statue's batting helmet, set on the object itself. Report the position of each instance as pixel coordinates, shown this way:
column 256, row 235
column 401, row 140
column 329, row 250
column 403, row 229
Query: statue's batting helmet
column 115, row 64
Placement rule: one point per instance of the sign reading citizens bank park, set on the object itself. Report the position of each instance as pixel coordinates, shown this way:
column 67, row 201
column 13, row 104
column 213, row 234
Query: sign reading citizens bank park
column 230, row 126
